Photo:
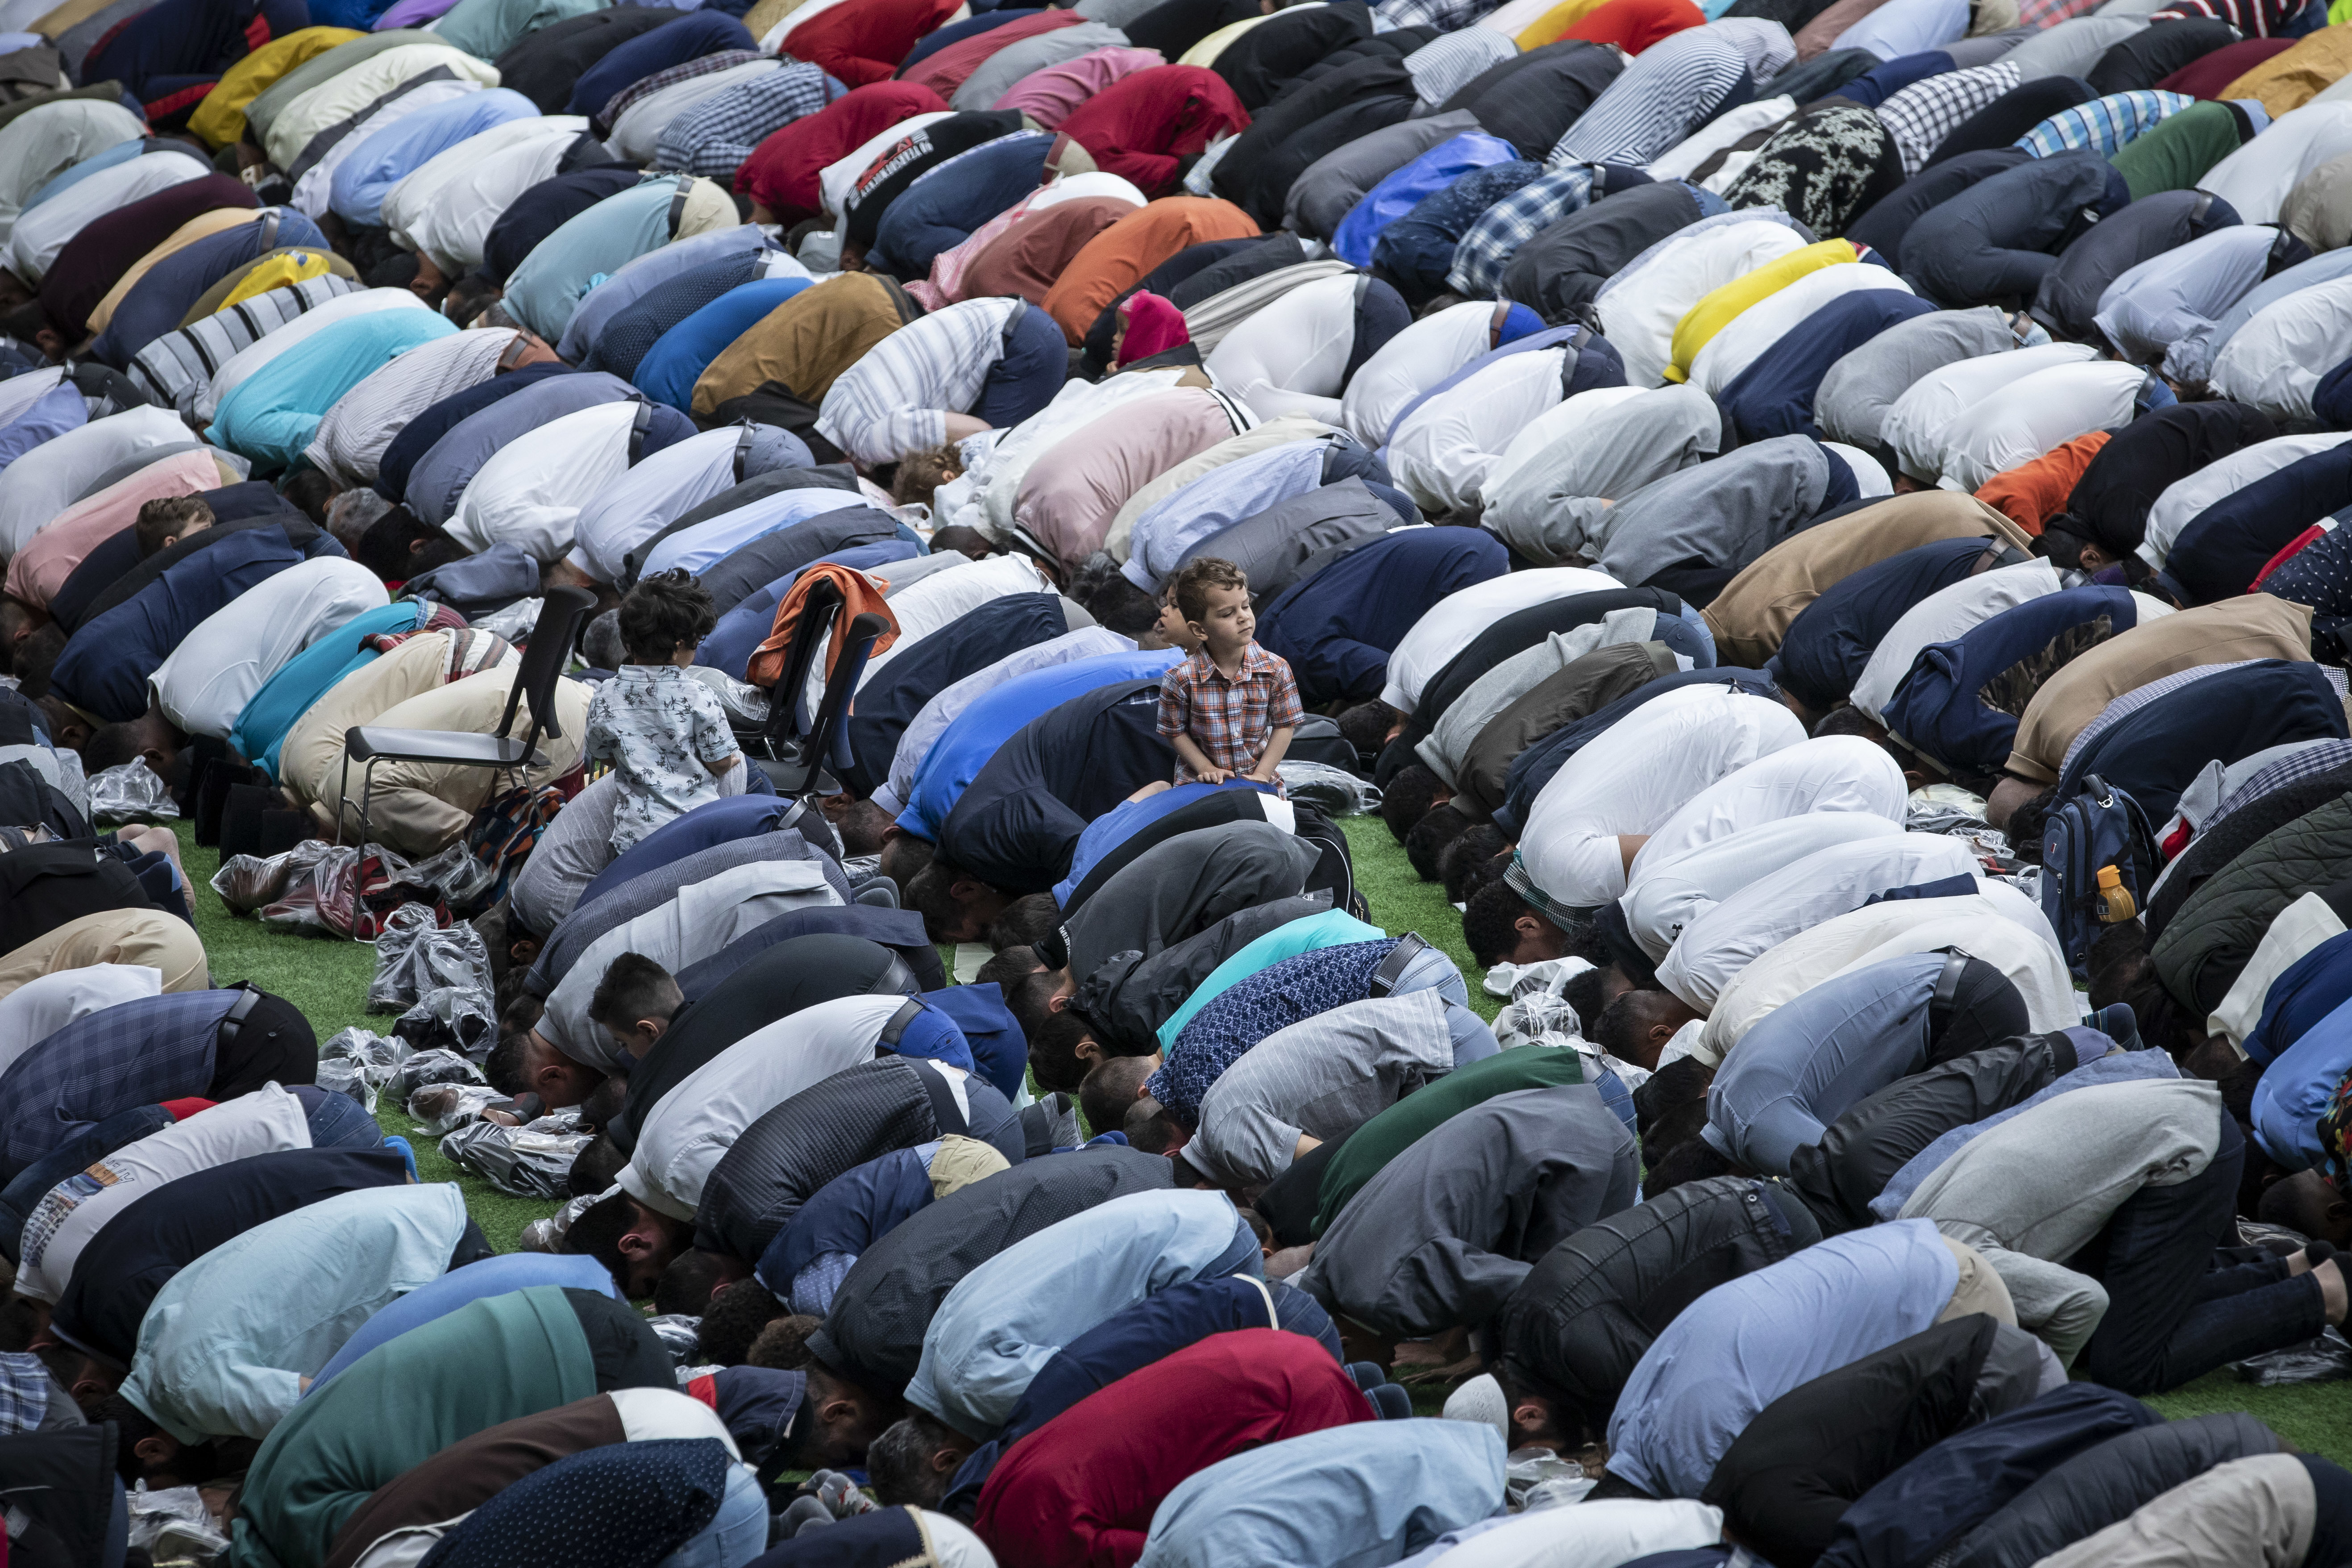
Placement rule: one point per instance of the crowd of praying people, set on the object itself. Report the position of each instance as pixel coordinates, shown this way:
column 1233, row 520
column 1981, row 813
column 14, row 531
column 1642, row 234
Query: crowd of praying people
column 877, row 561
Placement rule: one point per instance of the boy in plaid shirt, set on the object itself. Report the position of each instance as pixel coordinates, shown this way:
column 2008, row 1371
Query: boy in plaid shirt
column 1231, row 708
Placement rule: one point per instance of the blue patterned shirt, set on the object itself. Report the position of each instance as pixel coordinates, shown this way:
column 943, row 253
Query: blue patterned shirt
column 2105, row 124
column 1490, row 242
column 1274, row 998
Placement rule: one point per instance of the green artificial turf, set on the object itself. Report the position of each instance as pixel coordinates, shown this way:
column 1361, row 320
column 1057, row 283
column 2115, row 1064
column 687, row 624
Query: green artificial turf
column 329, row 980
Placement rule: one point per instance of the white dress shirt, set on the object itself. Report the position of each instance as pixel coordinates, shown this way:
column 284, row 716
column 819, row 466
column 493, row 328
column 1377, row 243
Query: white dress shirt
column 2037, row 415
column 1996, row 924
column 1635, row 777
column 218, row 667
column 1413, row 362
column 1920, row 420
column 2256, row 178
column 531, row 489
column 1447, row 627
column 693, row 1125
column 1661, row 904
column 1292, row 356
column 1834, row 773
column 1726, row 938
column 2274, row 362
column 1641, row 308
column 45, row 230
column 445, row 207
column 659, row 491
column 1441, row 452
column 1946, row 614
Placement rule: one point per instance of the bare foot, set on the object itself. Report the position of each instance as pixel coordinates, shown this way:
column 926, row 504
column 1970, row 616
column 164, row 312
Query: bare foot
column 2332, row 1291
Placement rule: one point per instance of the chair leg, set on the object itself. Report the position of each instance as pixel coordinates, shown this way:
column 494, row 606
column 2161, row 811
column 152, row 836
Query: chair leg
column 367, row 792
column 342, row 796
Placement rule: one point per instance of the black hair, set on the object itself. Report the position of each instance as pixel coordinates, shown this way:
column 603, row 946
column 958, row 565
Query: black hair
column 931, row 894
column 862, row 827
column 1692, row 1160
column 635, row 988
column 2122, row 968
column 664, row 612
column 602, row 1104
column 468, row 297
column 26, row 321
column 732, row 1320
column 1618, row 1031
column 595, row 1167
column 596, row 1231
column 1114, row 1084
column 1107, row 596
column 782, row 1345
column 2026, row 825
column 1468, row 861
column 1848, row 720
column 110, row 747
column 1365, row 727
column 904, row 857
column 1426, row 843
column 400, row 545
column 1053, row 1058
column 1409, row 797
column 37, row 656
column 507, row 1065
column 1151, row 1128
column 1025, row 920
column 957, row 536
column 1490, row 922
column 1671, row 1106
column 1586, row 992
column 600, row 642
column 1008, row 967
column 1028, row 997
column 310, row 490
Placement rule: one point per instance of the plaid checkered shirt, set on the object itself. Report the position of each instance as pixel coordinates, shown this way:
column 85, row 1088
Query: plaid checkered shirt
column 1228, row 718
column 2104, row 124
column 715, row 136
column 1496, row 235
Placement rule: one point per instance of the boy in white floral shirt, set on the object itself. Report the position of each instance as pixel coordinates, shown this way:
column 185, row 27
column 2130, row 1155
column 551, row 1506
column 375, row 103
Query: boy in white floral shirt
column 662, row 729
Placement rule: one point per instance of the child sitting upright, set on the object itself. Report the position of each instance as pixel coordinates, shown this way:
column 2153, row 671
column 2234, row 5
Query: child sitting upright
column 662, row 729
column 1230, row 707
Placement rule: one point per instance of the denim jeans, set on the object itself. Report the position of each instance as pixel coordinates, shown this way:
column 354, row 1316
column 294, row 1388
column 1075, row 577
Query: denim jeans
column 736, row 1535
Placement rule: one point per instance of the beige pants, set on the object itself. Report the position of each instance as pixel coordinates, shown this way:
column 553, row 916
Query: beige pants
column 1980, row 1289
column 150, row 937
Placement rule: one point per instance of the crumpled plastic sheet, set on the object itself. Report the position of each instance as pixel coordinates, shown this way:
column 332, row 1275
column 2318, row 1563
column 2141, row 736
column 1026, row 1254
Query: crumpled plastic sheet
column 439, row 1108
column 431, row 1066
column 451, row 1018
column 1536, row 1478
column 680, row 1333
column 546, row 1235
column 1335, row 792
column 251, row 884
column 527, row 1161
column 174, row 1528
column 415, row 956
column 358, row 1063
column 2325, row 1359
column 513, row 623
column 130, row 792
column 743, row 702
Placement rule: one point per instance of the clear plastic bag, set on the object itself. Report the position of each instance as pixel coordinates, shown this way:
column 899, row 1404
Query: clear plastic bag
column 513, row 623
column 450, row 1018
column 249, row 883
column 173, row 1525
column 679, row 1333
column 415, row 955
column 547, row 1235
column 430, row 1067
column 531, row 1161
column 1335, row 792
column 440, row 1108
column 454, row 877
column 130, row 792
column 358, row 1063
column 2326, row 1359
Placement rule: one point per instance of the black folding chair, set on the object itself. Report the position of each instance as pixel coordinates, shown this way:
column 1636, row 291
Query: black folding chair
column 800, row 769
column 548, row 651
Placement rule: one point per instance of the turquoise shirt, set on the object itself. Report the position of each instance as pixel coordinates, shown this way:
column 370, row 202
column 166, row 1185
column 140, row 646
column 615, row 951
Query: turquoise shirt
column 261, row 726
column 588, row 249
column 271, row 417
column 1333, row 928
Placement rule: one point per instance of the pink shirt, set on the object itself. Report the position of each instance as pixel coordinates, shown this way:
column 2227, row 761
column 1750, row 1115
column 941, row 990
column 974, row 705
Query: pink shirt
column 41, row 568
column 1073, row 492
column 1049, row 95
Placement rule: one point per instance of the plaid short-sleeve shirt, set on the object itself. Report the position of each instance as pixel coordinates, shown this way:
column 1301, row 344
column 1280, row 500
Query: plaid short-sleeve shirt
column 1229, row 719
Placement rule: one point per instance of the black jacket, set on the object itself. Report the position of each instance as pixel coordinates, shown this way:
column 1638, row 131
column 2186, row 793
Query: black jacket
column 1129, row 995
column 2101, row 1486
column 796, row 1147
column 1577, row 1322
column 1565, row 266
column 1880, row 1134
column 874, row 1333
column 1786, row 1480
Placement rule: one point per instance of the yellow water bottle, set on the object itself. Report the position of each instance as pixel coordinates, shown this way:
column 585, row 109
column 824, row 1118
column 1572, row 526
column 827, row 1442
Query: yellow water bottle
column 2116, row 904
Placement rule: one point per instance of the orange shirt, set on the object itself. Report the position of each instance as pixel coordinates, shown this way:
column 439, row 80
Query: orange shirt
column 2032, row 493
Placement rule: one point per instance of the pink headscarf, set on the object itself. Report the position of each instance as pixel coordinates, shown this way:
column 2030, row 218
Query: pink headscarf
column 1153, row 326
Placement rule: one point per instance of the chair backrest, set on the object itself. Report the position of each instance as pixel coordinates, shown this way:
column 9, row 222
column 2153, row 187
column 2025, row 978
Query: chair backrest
column 787, row 718
column 543, row 659
column 829, row 735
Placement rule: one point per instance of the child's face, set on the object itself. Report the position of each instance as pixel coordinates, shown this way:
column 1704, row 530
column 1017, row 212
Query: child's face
column 1176, row 629
column 1228, row 624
